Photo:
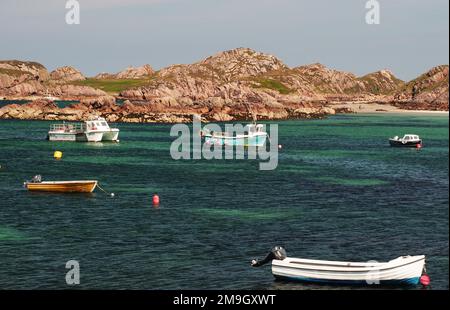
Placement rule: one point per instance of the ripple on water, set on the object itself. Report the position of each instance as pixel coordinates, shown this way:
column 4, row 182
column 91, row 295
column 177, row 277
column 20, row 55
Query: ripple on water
column 253, row 215
column 351, row 182
column 10, row 234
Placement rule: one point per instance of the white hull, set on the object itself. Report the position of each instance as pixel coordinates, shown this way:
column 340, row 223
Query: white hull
column 62, row 136
column 91, row 137
column 404, row 270
column 111, row 135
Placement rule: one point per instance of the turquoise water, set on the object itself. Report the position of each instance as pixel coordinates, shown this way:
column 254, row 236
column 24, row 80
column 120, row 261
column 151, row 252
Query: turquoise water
column 340, row 192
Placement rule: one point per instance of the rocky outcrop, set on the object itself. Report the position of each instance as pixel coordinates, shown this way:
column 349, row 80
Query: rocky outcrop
column 130, row 73
column 75, row 92
column 428, row 91
column 136, row 73
column 67, row 74
column 382, row 82
column 243, row 75
column 33, row 110
column 16, row 68
column 223, row 87
column 105, row 76
column 226, row 67
column 21, row 78
column 145, row 112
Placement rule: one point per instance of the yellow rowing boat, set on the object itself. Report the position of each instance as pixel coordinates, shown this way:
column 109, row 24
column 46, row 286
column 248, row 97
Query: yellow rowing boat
column 63, row 186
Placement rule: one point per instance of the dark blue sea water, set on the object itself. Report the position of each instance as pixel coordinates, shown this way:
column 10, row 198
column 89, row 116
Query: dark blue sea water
column 339, row 193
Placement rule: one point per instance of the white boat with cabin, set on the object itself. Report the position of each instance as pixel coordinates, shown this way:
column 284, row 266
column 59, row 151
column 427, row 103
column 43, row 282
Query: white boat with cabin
column 100, row 125
column 93, row 130
column 408, row 140
column 254, row 135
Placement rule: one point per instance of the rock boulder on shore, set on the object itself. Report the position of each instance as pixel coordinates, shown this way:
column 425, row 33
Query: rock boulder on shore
column 130, row 73
column 67, row 74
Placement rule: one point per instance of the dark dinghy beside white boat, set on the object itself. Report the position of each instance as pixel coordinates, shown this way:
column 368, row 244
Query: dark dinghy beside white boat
column 405, row 270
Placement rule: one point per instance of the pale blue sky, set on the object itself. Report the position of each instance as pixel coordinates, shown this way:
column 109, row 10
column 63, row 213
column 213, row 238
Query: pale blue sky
column 413, row 35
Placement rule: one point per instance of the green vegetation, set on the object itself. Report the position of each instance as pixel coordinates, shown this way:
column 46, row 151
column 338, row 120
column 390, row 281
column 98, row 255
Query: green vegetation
column 373, row 86
column 274, row 85
column 11, row 72
column 113, row 86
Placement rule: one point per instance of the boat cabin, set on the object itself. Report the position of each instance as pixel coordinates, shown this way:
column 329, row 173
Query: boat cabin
column 411, row 138
column 97, row 124
column 254, row 128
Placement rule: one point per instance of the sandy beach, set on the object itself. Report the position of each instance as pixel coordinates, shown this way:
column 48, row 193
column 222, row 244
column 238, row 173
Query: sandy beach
column 379, row 108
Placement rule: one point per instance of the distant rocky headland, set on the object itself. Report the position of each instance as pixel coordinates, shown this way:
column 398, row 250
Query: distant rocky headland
column 223, row 87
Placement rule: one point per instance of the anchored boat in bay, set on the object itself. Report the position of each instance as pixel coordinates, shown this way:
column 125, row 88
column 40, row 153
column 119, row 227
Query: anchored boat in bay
column 93, row 130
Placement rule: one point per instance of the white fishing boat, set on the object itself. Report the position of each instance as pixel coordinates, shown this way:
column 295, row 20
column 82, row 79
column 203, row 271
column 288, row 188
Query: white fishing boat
column 254, row 135
column 405, row 270
column 93, row 130
column 407, row 141
column 100, row 125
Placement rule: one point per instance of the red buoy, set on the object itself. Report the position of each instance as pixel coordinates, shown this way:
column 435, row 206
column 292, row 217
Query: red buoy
column 425, row 280
column 156, row 200
column 418, row 146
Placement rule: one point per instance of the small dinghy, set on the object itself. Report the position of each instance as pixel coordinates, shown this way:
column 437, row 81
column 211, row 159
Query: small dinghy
column 405, row 270
column 407, row 140
column 36, row 184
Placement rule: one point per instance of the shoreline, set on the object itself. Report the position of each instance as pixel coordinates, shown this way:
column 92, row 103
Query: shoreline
column 370, row 108
column 138, row 112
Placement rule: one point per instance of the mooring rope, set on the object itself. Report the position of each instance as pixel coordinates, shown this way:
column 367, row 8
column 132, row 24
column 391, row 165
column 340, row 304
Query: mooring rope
column 111, row 194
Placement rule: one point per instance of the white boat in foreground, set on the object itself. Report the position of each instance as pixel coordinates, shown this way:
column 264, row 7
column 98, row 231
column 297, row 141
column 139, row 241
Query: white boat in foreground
column 405, row 270
column 93, row 130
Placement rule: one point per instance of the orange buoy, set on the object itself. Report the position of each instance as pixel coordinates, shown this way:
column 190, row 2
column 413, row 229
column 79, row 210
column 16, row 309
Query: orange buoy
column 156, row 200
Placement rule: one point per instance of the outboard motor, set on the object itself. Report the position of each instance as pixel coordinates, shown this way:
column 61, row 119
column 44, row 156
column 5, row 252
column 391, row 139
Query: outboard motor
column 36, row 179
column 277, row 252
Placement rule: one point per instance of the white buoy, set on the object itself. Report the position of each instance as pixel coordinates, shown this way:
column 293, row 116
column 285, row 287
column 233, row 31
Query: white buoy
column 112, row 195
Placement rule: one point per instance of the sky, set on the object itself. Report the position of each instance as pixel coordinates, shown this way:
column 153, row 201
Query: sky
column 412, row 37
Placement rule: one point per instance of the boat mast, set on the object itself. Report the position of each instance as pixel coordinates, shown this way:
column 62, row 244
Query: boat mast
column 252, row 115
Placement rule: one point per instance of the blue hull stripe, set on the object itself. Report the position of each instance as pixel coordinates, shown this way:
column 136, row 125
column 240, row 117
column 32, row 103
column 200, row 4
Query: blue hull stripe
column 410, row 281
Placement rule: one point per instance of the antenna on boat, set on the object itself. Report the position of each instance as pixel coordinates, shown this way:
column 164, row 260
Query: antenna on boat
column 251, row 113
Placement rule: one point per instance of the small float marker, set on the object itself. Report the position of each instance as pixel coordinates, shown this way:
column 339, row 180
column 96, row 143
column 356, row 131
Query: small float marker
column 425, row 280
column 280, row 146
column 418, row 146
column 155, row 200
column 57, row 155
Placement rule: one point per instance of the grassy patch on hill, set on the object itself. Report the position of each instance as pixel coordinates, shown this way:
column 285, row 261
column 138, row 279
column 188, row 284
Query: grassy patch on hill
column 11, row 72
column 274, row 85
column 113, row 86
column 373, row 86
